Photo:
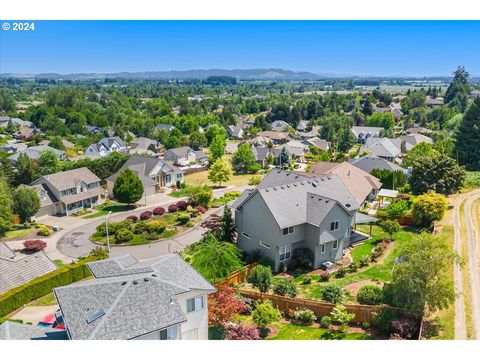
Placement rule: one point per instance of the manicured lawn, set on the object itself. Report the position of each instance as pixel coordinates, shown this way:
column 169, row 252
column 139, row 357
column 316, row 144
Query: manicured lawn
column 179, row 193
column 201, row 178
column 106, row 208
column 58, row 263
column 299, row 332
column 18, row 233
column 138, row 239
column 46, row 300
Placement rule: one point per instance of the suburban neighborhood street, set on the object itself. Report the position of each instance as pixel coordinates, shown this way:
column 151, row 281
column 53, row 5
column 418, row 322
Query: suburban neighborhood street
column 468, row 227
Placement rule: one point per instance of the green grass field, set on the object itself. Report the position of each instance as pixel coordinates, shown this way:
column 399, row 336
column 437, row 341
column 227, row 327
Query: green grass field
column 13, row 234
column 105, row 208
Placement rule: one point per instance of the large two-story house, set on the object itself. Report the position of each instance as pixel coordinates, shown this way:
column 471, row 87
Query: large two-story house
column 289, row 210
column 106, row 146
column 67, row 192
column 153, row 172
column 180, row 156
column 163, row 298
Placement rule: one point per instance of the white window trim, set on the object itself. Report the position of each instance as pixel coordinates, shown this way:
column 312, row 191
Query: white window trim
column 265, row 245
column 322, row 248
column 246, row 235
column 195, row 304
column 288, row 230
column 285, row 252
column 334, row 222
column 335, row 242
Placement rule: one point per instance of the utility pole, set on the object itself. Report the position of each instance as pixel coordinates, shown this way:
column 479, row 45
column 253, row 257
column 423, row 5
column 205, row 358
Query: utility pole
column 106, row 228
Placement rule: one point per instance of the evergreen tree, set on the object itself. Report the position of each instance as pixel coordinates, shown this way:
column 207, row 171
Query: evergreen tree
column 284, row 158
column 467, row 148
column 458, row 90
column 27, row 170
column 227, row 230
column 128, row 187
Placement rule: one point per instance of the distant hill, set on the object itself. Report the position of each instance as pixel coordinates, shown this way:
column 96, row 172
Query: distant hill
column 240, row 74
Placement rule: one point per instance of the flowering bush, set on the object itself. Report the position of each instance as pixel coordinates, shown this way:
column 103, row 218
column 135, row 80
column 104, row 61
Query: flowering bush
column 146, row 215
column 172, row 208
column 201, row 209
column 159, row 211
column 235, row 331
column 132, row 218
column 34, row 245
column 182, row 205
column 223, row 306
column 404, row 328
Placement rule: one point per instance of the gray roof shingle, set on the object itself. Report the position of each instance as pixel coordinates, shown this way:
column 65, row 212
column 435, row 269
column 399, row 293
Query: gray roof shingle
column 10, row 330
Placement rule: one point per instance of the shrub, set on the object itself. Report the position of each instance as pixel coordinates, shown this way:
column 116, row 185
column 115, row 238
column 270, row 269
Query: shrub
column 303, row 258
column 235, row 331
column 340, row 273
column 366, row 325
column 332, row 293
column 353, row 267
column 254, row 180
column 391, row 227
column 182, row 205
column 156, row 227
column 34, row 245
column 325, row 276
column 382, row 319
column 158, row 211
column 223, row 306
column 429, row 207
column 325, row 321
column 264, row 314
column 397, row 209
column 364, row 261
column 113, row 227
column 179, row 184
column 172, row 208
column 201, row 209
column 183, row 219
column 132, row 218
column 305, row 316
column 140, row 227
column 341, row 316
column 123, row 235
column 43, row 231
column 261, row 278
column 146, row 215
column 285, row 287
column 307, row 279
column 370, row 295
column 404, row 327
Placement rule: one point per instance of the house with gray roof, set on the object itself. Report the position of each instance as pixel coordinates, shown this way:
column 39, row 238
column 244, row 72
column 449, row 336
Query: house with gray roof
column 166, row 127
column 153, row 172
column 34, row 153
column 316, row 142
column 369, row 162
column 163, row 298
column 141, row 145
column 289, row 210
column 16, row 271
column 11, row 330
column 414, row 139
column 106, row 146
column 263, row 154
column 67, row 192
column 386, row 148
column 280, row 125
column 363, row 133
column 180, row 156
column 235, row 132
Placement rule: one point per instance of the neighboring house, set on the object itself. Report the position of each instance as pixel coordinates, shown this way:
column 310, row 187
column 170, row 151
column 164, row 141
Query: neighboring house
column 419, row 130
column 166, row 127
column 369, row 162
column 180, row 156
column 34, row 153
column 13, row 147
column 475, row 93
column 67, row 192
column 65, row 143
column 363, row 133
column 383, row 110
column 26, row 133
column 4, row 120
column 280, row 125
column 303, row 125
column 415, row 139
column 201, row 157
column 276, row 137
column 262, row 153
column 18, row 271
column 289, row 210
column 11, row 330
column 397, row 113
column 231, row 147
column 316, row 142
column 363, row 186
column 163, row 298
column 296, row 149
column 235, row 132
column 434, row 102
column 309, row 135
column 106, row 146
column 143, row 144
column 389, row 149
column 94, row 130
column 153, row 172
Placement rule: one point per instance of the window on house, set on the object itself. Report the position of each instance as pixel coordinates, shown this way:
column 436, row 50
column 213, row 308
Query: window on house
column 334, row 225
column 288, row 230
column 179, row 176
column 265, row 245
column 195, row 304
column 168, row 334
column 246, row 235
column 322, row 248
column 335, row 244
column 285, row 252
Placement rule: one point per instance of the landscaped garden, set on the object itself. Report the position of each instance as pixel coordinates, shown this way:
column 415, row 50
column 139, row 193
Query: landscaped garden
column 150, row 226
column 104, row 209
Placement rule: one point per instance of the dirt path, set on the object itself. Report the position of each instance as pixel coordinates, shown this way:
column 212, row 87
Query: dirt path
column 471, row 241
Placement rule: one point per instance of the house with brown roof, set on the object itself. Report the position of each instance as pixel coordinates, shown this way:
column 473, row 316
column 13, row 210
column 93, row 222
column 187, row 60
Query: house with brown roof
column 67, row 192
column 276, row 137
column 362, row 185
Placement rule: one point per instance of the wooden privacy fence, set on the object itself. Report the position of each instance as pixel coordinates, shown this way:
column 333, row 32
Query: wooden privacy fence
column 237, row 277
column 402, row 220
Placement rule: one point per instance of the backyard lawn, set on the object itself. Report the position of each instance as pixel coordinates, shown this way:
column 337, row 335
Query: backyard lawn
column 103, row 209
column 201, row 178
column 13, row 234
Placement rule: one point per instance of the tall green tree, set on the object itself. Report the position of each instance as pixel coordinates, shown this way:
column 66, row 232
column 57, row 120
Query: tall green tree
column 244, row 160
column 217, row 147
column 219, row 172
column 197, row 140
column 128, row 188
column 6, row 205
column 458, row 90
column 26, row 203
column 227, row 230
column 48, row 162
column 27, row 170
column 467, row 147
column 284, row 157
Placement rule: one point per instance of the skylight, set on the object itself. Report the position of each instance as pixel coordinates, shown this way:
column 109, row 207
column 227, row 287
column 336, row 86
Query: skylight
column 95, row 316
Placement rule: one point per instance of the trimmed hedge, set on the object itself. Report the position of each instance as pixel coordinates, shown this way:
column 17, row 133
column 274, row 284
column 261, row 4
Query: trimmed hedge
column 41, row 286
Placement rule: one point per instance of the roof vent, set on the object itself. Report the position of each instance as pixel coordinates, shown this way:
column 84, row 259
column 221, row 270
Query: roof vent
column 326, row 201
column 266, row 190
column 314, row 183
column 146, row 279
column 295, row 185
column 95, row 316
column 288, row 186
column 124, row 283
column 274, row 188
column 281, row 187
column 348, row 205
column 154, row 275
column 301, row 183
column 135, row 282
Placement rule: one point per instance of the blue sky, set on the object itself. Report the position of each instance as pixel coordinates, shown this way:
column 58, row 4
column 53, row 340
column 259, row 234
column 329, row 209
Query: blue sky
column 385, row 48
